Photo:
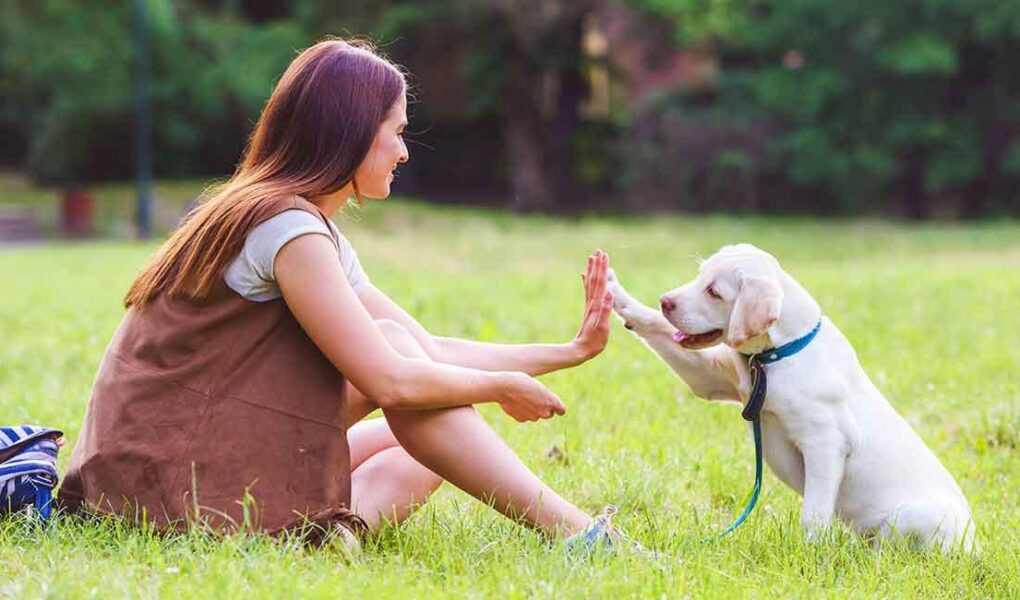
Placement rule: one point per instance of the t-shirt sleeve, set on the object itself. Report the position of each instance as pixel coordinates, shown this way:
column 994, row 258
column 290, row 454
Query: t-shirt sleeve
column 352, row 266
column 251, row 273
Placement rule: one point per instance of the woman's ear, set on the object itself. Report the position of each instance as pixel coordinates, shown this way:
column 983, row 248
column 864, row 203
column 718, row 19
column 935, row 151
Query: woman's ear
column 759, row 301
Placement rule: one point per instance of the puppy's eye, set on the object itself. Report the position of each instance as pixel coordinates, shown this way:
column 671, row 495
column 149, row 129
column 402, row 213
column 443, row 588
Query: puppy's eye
column 710, row 290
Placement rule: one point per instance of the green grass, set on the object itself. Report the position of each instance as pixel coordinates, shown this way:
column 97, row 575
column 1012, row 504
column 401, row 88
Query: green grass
column 931, row 310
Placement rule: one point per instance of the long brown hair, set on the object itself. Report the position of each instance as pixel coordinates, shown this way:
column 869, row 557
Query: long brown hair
column 316, row 128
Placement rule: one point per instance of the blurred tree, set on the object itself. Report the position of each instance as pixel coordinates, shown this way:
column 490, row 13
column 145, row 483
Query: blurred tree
column 526, row 66
column 66, row 78
column 917, row 99
column 66, row 75
column 856, row 103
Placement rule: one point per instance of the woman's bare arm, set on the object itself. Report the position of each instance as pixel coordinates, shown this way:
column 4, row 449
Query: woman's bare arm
column 534, row 359
column 321, row 299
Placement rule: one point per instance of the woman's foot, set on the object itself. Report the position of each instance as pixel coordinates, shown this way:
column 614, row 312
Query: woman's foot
column 602, row 535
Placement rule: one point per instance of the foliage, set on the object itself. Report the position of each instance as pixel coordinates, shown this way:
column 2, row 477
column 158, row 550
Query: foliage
column 523, row 62
column 70, row 72
column 67, row 78
column 875, row 98
column 853, row 107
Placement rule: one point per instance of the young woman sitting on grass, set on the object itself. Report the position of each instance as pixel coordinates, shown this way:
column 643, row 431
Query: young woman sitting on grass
column 234, row 390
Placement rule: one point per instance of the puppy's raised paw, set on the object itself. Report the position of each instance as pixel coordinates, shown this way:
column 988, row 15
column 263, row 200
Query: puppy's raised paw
column 635, row 316
column 621, row 299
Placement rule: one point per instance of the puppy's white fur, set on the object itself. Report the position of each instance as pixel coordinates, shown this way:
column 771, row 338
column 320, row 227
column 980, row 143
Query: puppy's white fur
column 827, row 431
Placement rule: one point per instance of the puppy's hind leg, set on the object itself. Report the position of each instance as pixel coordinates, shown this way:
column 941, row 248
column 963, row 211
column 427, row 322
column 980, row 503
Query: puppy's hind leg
column 926, row 526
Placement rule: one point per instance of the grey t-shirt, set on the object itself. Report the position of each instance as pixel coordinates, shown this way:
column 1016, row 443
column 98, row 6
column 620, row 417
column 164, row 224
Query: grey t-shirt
column 251, row 273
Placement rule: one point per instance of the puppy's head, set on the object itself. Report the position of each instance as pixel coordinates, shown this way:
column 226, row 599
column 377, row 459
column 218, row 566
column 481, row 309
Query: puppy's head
column 734, row 300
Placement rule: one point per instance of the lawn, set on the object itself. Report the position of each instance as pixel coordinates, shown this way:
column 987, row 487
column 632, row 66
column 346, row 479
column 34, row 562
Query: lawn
column 931, row 310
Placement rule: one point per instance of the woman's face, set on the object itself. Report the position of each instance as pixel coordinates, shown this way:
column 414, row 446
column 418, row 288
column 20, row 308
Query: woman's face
column 375, row 174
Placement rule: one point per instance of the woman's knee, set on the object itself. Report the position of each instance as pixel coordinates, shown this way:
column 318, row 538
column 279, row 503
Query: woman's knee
column 400, row 338
column 420, row 431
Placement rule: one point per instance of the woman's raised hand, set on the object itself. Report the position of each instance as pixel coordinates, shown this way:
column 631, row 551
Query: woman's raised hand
column 598, row 301
column 526, row 399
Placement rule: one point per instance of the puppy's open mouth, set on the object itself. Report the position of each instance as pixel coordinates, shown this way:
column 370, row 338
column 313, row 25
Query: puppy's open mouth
column 693, row 341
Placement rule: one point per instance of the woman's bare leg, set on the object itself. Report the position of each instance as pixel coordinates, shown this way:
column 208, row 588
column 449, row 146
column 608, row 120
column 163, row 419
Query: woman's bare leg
column 457, row 445
column 460, row 446
column 386, row 483
column 368, row 438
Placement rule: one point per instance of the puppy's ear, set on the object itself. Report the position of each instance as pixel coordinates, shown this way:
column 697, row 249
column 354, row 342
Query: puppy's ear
column 757, row 307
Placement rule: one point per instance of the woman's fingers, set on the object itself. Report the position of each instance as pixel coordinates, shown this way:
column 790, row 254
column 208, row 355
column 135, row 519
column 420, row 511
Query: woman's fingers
column 598, row 316
column 607, row 306
column 599, row 276
column 605, row 294
column 596, row 280
column 532, row 401
column 587, row 279
column 593, row 276
column 590, row 280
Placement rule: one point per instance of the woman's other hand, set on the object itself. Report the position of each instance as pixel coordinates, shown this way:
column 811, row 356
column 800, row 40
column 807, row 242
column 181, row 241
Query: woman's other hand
column 526, row 399
column 598, row 301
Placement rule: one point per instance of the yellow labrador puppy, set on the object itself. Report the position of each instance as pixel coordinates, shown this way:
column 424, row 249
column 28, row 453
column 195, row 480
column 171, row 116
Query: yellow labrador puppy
column 827, row 431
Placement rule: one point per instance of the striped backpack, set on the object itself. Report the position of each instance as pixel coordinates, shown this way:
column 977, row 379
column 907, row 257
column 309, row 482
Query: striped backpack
column 28, row 468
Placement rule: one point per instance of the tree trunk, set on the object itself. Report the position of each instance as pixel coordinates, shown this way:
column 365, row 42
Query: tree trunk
column 530, row 187
column 976, row 82
column 911, row 184
column 995, row 143
column 573, row 89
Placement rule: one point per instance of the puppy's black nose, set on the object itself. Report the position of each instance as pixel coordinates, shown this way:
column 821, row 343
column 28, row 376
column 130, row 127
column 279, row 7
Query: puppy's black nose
column 666, row 304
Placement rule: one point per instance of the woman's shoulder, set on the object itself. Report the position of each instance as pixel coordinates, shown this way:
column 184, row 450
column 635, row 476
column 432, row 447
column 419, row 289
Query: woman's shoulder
column 271, row 207
column 286, row 225
column 299, row 202
column 250, row 274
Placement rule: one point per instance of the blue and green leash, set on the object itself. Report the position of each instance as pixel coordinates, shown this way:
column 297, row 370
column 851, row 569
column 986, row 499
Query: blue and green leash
column 752, row 412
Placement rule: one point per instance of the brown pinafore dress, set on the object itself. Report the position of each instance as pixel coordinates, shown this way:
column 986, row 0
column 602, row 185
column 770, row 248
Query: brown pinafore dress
column 221, row 410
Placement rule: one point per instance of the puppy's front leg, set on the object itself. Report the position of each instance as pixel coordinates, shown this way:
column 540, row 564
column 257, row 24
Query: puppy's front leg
column 642, row 320
column 711, row 373
column 824, row 462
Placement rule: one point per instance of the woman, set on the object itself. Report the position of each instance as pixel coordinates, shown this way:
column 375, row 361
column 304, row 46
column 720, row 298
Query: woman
column 234, row 390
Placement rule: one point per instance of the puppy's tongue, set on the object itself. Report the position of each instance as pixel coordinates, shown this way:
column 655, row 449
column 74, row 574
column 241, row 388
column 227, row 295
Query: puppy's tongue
column 696, row 340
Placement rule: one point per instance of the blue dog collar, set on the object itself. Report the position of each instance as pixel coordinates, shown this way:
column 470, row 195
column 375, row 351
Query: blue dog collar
column 788, row 350
column 757, row 362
